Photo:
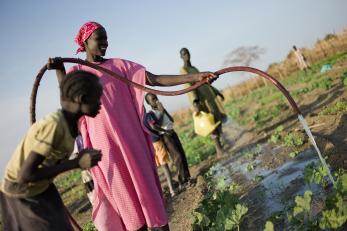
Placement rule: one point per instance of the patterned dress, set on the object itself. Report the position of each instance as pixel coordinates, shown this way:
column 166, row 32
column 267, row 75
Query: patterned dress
column 127, row 188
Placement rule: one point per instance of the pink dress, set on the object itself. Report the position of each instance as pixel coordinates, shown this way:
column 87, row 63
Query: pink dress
column 127, row 187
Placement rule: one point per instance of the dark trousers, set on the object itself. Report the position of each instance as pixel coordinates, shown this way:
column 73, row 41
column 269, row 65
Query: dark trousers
column 174, row 146
column 43, row 212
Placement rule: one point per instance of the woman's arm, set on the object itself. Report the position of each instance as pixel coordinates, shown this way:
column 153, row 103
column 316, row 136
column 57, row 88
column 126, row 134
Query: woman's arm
column 172, row 80
column 58, row 65
column 31, row 170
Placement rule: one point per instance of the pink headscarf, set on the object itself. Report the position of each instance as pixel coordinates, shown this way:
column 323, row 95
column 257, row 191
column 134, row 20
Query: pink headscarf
column 83, row 34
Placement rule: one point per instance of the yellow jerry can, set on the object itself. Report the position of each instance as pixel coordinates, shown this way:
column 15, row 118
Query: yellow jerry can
column 204, row 123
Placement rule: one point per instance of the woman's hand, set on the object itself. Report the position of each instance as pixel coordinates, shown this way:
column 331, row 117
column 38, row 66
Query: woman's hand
column 88, row 158
column 55, row 64
column 206, row 76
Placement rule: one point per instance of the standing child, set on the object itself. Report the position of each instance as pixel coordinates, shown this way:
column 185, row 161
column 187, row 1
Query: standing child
column 160, row 151
column 163, row 124
column 29, row 200
column 206, row 98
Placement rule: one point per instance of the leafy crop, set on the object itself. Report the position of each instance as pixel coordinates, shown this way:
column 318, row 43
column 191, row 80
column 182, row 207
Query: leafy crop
column 197, row 148
column 300, row 219
column 293, row 139
column 314, row 173
column 333, row 216
column 276, row 136
column 293, row 154
column 250, row 167
column 220, row 209
column 89, row 226
column 269, row 226
column 338, row 107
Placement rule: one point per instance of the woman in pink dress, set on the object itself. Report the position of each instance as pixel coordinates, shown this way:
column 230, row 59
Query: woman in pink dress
column 127, row 192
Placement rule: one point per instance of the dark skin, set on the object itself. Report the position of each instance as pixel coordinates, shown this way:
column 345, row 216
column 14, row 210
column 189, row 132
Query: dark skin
column 96, row 46
column 156, row 104
column 32, row 169
column 185, row 56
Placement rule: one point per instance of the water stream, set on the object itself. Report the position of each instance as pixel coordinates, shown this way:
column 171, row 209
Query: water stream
column 308, row 132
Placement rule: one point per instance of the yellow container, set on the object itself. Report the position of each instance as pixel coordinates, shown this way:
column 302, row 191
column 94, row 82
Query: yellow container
column 204, row 123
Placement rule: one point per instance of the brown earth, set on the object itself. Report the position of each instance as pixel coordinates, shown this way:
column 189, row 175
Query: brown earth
column 329, row 132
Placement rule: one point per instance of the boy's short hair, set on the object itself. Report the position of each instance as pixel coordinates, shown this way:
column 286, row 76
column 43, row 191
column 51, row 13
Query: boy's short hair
column 77, row 83
column 148, row 94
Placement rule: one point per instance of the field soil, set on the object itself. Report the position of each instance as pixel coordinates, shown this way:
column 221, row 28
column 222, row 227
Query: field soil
column 329, row 132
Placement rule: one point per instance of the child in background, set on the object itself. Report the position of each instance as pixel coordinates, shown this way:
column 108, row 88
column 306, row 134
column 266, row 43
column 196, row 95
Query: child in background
column 164, row 126
column 29, row 199
column 161, row 154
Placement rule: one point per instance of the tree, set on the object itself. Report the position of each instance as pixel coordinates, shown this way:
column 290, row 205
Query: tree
column 243, row 56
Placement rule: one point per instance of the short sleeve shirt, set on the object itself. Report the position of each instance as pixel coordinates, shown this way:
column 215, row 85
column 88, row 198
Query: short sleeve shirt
column 49, row 137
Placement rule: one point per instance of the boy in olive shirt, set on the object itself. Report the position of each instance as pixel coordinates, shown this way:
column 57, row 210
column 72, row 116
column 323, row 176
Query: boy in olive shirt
column 29, row 200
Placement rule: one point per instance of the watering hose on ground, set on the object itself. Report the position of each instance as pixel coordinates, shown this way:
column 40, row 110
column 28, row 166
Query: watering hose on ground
column 173, row 93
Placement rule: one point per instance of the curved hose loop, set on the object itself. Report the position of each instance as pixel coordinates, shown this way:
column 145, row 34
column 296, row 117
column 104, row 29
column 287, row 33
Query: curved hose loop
column 102, row 69
column 266, row 76
column 158, row 92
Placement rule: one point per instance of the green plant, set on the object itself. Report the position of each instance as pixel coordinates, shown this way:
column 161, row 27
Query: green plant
column 293, row 139
column 258, row 178
column 250, row 167
column 89, row 226
column 315, row 173
column 344, row 78
column 335, row 214
column 67, row 179
column 293, row 154
column 302, row 204
column 235, row 218
column 276, row 136
column 220, row 208
column 338, row 107
column 335, row 217
column 269, row 226
column 325, row 84
column 197, row 148
column 300, row 219
column 259, row 116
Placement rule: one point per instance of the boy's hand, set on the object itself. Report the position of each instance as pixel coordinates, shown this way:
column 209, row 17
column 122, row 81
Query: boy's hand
column 196, row 106
column 221, row 96
column 88, row 158
column 207, row 76
column 55, row 63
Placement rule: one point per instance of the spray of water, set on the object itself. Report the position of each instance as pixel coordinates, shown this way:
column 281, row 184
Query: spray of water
column 309, row 133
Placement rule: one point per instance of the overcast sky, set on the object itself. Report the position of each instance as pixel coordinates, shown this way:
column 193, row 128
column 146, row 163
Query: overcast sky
column 150, row 33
